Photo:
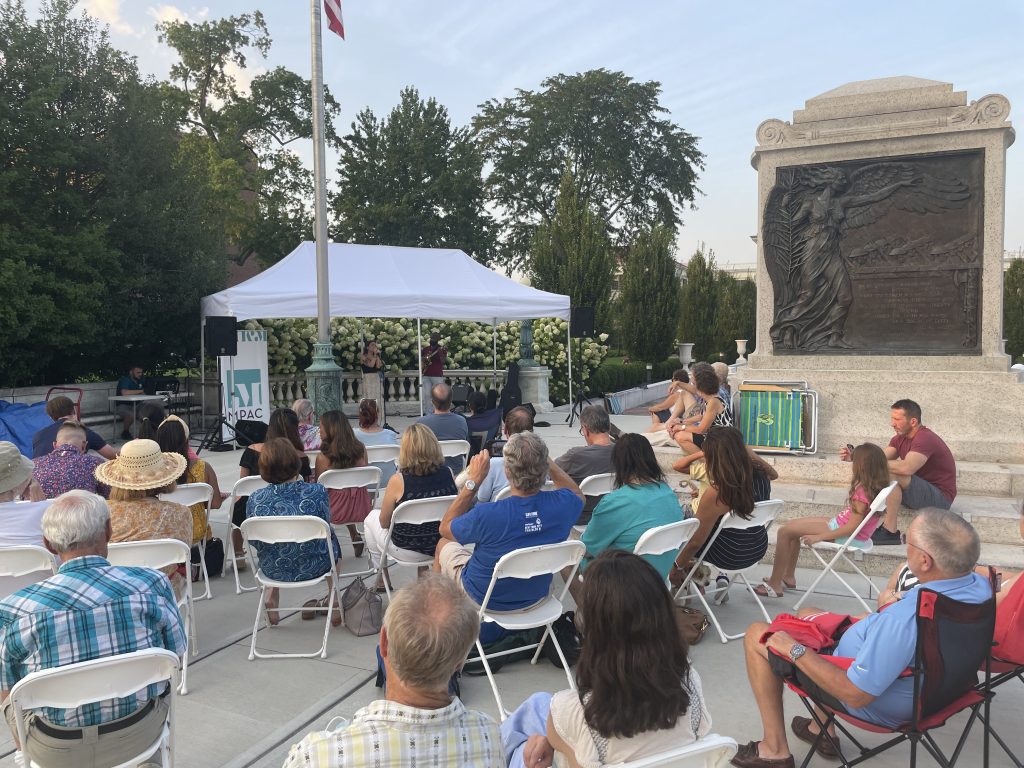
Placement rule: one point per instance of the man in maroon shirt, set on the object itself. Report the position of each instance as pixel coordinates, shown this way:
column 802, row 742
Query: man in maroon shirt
column 921, row 464
column 434, row 357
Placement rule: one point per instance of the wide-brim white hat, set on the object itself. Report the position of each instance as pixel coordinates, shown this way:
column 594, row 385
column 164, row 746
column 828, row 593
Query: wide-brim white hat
column 15, row 468
column 141, row 466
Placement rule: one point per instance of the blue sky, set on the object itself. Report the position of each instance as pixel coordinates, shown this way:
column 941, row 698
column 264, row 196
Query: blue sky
column 724, row 66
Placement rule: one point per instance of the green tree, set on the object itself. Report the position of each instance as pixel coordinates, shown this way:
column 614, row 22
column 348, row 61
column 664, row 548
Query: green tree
column 413, row 180
column 697, row 310
column 735, row 310
column 1013, row 310
column 241, row 142
column 634, row 167
column 648, row 305
column 101, row 252
column 572, row 254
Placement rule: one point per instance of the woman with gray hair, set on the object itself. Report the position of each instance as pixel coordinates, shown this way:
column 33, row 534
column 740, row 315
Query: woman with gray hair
column 309, row 430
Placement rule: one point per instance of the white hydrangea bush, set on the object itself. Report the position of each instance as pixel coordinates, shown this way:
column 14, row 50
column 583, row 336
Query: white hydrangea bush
column 290, row 345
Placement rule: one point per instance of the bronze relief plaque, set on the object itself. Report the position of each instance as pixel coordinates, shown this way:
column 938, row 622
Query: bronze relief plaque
column 877, row 256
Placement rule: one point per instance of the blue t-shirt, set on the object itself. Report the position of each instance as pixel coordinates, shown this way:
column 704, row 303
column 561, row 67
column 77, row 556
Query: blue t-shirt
column 499, row 527
column 127, row 382
column 626, row 514
column 883, row 645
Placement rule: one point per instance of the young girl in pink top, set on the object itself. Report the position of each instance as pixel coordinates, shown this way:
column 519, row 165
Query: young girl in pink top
column 870, row 475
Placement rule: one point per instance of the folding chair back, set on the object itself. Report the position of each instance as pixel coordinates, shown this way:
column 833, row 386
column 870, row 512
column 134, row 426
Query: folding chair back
column 598, row 485
column 286, row 529
column 483, row 428
column 381, row 454
column 537, row 561
column 712, row 751
column 505, row 492
column 666, row 538
column 24, row 565
column 356, row 477
column 764, row 513
column 418, row 511
column 452, row 448
column 154, row 553
column 953, row 641
column 188, row 494
column 110, row 677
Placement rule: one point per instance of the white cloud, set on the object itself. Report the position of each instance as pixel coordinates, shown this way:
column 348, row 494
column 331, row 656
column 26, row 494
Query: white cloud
column 109, row 11
column 164, row 13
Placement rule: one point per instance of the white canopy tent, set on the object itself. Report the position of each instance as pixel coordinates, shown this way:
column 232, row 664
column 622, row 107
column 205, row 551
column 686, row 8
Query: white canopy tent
column 388, row 281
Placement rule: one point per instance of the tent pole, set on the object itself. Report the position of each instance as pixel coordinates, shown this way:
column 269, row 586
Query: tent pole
column 202, row 369
column 494, row 353
column 419, row 358
column 568, row 354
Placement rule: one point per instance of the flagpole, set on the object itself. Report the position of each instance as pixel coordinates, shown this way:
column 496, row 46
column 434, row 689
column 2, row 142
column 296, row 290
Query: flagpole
column 323, row 380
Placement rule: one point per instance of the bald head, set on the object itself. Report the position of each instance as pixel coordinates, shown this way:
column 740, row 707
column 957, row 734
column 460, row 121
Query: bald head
column 518, row 420
column 441, row 397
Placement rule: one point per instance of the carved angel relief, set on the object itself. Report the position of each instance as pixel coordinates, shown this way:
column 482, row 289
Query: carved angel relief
column 812, row 213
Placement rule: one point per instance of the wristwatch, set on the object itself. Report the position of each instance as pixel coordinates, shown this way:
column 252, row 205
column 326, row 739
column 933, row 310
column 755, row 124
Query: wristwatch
column 471, row 485
column 796, row 652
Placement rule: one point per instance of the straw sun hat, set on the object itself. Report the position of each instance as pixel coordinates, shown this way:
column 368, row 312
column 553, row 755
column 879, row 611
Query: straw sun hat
column 15, row 469
column 141, row 467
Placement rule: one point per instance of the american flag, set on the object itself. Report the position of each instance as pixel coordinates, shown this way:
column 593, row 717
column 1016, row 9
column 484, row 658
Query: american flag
column 334, row 23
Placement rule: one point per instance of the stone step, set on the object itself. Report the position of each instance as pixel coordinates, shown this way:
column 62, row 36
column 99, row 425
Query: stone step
column 882, row 561
column 973, row 477
column 996, row 518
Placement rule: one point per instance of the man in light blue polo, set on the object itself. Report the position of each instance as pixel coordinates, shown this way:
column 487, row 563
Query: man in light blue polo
column 942, row 550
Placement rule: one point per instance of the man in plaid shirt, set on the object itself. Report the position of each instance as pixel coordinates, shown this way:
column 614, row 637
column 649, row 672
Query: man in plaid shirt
column 428, row 630
column 89, row 609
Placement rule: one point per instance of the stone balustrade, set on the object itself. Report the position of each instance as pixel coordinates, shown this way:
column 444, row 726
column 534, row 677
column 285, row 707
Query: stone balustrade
column 400, row 387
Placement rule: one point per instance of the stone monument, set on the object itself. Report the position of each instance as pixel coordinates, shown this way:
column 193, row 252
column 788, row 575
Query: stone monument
column 880, row 245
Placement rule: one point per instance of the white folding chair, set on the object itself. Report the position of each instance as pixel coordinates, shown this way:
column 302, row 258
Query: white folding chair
column 712, row 751
column 290, row 529
column 595, row 485
column 525, row 564
column 763, row 515
column 666, row 538
column 414, row 512
column 356, row 477
column 453, row 448
column 24, row 565
column 74, row 685
column 877, row 507
column 380, row 456
column 243, row 488
column 157, row 554
column 505, row 492
column 188, row 494
column 312, row 456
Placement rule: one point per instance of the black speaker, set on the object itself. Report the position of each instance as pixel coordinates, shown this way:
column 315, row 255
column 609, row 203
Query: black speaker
column 581, row 322
column 221, row 337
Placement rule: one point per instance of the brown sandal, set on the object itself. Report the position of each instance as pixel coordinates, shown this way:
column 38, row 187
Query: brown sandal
column 309, row 608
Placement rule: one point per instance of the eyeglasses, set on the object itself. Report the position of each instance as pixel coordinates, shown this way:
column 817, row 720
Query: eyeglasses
column 909, row 543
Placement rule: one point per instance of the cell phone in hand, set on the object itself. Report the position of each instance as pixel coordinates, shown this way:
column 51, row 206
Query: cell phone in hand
column 498, row 449
column 849, row 447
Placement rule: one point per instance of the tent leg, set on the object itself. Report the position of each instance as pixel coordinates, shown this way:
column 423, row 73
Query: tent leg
column 202, row 370
column 419, row 358
column 494, row 353
column 568, row 355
